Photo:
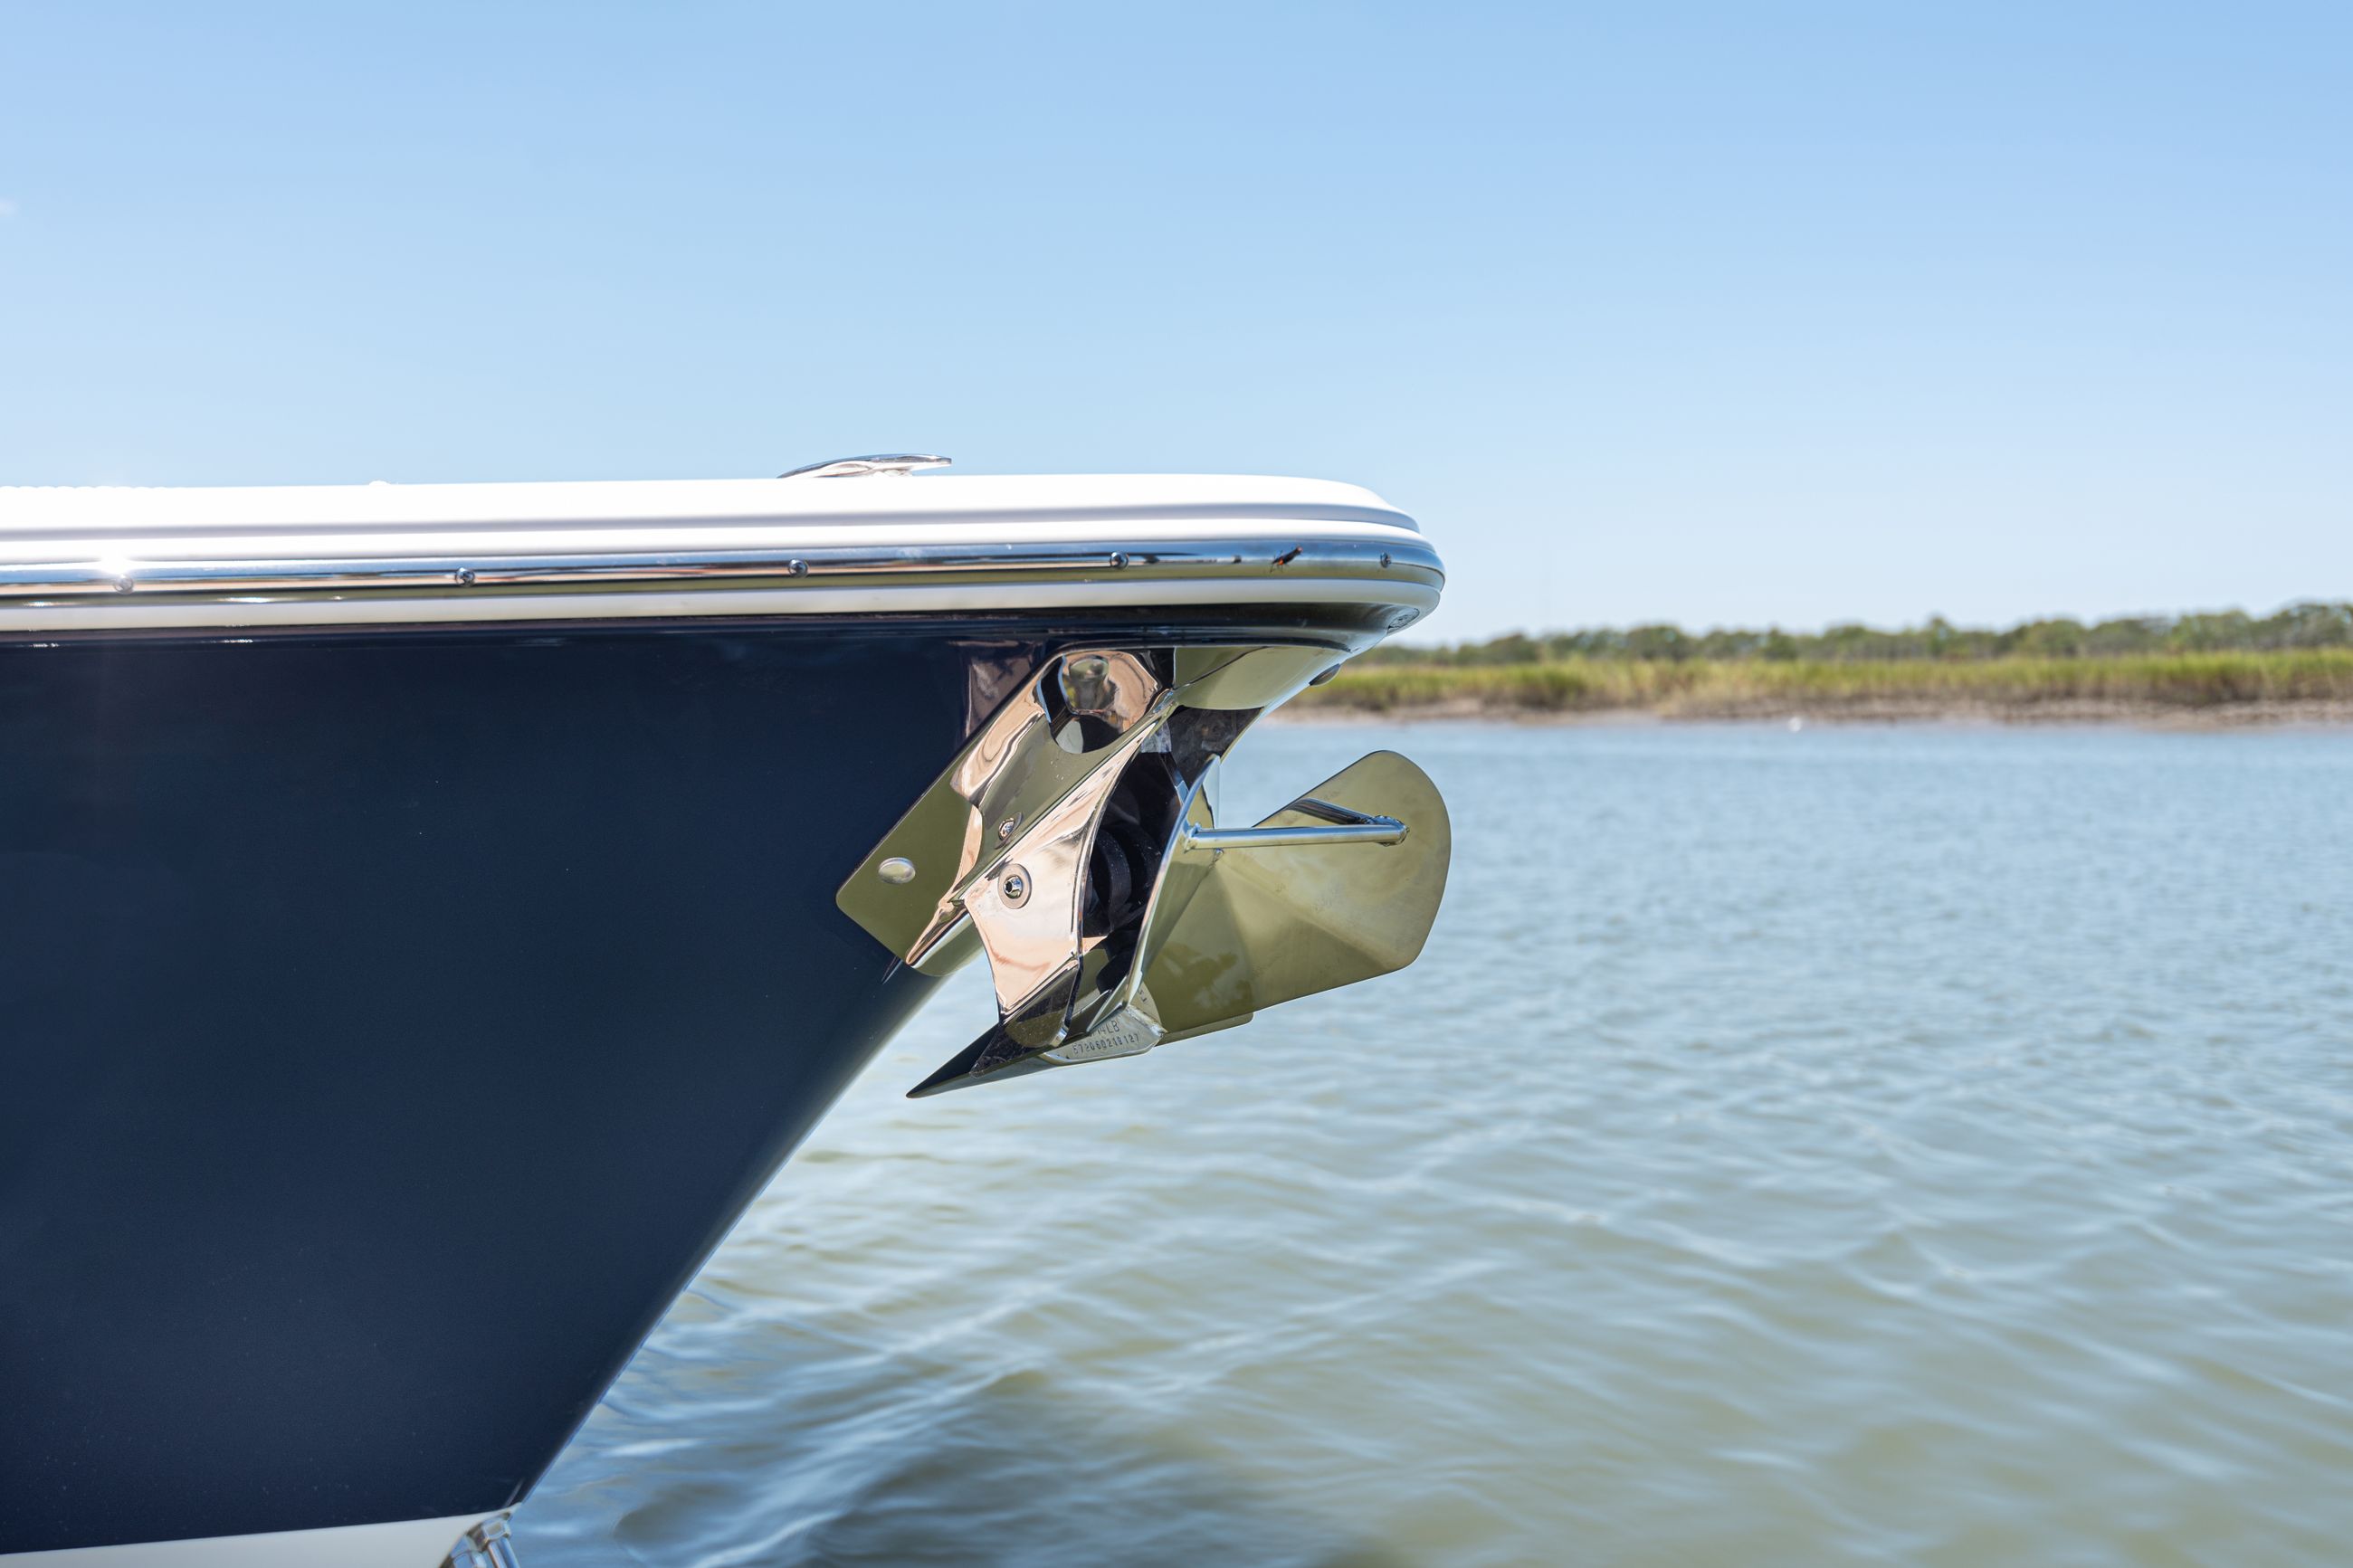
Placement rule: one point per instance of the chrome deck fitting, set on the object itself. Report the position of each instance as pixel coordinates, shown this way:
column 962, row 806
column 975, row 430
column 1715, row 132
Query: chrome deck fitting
column 899, row 463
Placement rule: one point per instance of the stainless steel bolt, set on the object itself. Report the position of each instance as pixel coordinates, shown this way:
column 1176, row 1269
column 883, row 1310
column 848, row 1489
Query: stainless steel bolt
column 1086, row 683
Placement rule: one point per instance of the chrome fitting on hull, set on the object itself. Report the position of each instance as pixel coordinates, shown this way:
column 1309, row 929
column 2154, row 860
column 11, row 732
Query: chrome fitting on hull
column 1073, row 841
column 487, row 1545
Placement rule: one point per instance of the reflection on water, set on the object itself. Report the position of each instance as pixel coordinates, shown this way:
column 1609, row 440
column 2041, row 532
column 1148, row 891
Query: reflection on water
column 1858, row 1145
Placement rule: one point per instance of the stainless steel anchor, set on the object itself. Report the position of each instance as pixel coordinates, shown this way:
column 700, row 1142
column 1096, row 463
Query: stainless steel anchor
column 1073, row 842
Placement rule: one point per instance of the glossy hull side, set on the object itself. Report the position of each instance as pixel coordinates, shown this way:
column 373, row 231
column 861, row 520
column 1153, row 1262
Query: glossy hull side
column 390, row 1024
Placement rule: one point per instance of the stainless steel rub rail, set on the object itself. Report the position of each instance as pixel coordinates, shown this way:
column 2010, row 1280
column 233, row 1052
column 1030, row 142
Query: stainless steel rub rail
column 87, row 579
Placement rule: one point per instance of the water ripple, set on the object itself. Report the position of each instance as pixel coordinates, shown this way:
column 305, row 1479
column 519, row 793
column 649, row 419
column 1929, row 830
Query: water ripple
column 1921, row 1146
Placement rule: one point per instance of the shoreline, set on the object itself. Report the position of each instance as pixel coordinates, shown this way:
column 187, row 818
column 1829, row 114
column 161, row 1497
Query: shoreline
column 2254, row 714
column 2190, row 691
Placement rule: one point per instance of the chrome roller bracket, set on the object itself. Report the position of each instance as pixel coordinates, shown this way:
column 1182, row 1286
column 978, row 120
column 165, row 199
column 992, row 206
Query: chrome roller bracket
column 1065, row 733
column 1073, row 841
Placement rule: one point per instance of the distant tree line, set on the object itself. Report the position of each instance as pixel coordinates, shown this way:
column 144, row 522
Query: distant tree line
column 2310, row 625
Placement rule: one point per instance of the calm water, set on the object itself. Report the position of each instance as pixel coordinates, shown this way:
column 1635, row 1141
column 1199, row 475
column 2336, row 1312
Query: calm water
column 1900, row 1145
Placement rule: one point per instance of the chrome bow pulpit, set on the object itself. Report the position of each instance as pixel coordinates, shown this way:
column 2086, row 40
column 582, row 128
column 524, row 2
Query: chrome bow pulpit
column 1072, row 841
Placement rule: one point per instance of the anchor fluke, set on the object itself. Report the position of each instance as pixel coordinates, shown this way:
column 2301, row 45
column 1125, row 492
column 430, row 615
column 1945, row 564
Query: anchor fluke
column 1240, row 920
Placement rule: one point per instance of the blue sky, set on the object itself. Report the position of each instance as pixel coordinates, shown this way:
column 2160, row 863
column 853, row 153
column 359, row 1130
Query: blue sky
column 1745, row 313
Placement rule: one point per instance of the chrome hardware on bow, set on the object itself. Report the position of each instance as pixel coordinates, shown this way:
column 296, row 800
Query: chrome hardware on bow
column 1072, row 841
column 487, row 1545
column 899, row 463
column 1349, row 827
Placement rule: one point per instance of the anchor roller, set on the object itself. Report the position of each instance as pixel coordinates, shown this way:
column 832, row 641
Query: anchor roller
column 1073, row 842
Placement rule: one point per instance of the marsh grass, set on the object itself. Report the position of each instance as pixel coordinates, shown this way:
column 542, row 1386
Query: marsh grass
column 1700, row 687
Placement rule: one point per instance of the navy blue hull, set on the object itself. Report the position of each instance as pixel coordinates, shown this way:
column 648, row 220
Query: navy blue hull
column 390, row 1026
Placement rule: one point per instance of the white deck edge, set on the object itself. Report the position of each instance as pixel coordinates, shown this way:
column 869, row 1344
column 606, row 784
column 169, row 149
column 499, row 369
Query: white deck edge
column 1002, row 505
